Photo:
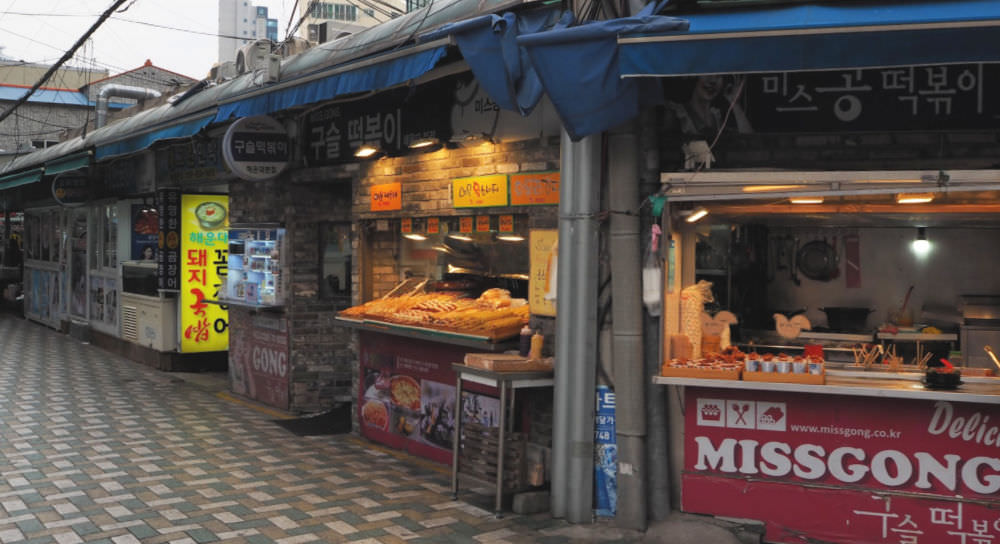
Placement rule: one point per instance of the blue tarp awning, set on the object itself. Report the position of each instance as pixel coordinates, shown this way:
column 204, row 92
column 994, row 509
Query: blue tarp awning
column 364, row 75
column 141, row 141
column 830, row 36
column 578, row 67
column 20, row 178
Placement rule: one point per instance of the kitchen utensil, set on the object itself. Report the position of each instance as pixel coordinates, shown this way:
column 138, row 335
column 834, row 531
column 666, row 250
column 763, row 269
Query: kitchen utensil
column 817, row 260
column 794, row 258
column 993, row 356
column 846, row 318
column 900, row 316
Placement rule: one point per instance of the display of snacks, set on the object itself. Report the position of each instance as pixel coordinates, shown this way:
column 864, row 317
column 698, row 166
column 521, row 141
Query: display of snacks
column 727, row 365
column 494, row 315
column 732, row 364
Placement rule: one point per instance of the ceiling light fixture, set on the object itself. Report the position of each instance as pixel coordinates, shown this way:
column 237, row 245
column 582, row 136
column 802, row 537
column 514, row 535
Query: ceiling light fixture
column 415, row 236
column 424, row 142
column 510, row 237
column 366, row 151
column 461, row 237
column 768, row 188
column 921, row 246
column 914, row 198
column 806, row 200
column 696, row 215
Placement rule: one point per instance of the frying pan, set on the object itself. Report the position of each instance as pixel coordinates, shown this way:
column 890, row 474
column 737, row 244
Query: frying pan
column 817, row 260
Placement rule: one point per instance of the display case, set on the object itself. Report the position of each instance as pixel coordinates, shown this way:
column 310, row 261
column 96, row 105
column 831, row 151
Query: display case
column 254, row 276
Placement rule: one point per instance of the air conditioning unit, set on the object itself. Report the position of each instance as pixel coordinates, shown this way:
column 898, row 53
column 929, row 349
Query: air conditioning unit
column 257, row 55
column 253, row 56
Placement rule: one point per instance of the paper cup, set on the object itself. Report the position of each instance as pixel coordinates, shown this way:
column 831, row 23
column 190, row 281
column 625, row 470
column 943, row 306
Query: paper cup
column 767, row 366
column 784, row 367
column 815, row 368
column 753, row 365
column 799, row 367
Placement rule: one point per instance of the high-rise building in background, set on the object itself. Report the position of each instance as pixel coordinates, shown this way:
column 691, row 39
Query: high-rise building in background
column 326, row 21
column 241, row 22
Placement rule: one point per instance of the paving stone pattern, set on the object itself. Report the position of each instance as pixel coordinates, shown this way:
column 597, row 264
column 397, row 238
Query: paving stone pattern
column 96, row 448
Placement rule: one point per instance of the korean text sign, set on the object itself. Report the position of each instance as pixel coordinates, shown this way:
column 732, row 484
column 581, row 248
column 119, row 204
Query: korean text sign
column 899, row 470
column 480, row 191
column 204, row 260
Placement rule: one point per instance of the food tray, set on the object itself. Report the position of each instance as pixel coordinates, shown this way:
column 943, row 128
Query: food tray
column 784, row 377
column 707, row 373
column 505, row 362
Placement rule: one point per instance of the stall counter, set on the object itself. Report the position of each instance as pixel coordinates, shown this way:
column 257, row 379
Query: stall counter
column 858, row 460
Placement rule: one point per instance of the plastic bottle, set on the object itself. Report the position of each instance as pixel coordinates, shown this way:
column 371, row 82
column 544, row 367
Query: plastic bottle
column 525, row 341
column 536, row 347
column 652, row 274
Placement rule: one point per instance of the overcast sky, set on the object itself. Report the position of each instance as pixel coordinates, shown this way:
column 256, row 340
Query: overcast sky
column 42, row 30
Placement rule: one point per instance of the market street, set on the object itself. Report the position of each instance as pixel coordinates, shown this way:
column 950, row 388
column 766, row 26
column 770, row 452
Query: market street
column 96, row 448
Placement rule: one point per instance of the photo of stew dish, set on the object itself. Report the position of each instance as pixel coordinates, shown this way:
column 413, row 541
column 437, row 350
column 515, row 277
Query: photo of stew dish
column 374, row 414
column 405, row 392
column 210, row 215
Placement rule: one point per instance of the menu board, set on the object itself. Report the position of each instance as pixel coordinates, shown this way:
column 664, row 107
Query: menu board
column 204, row 322
column 255, row 267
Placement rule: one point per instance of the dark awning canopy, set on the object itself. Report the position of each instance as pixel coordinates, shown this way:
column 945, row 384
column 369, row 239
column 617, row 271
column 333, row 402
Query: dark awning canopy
column 828, row 36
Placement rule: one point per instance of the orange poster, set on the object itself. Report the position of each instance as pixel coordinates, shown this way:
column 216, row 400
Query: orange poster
column 533, row 189
column 385, row 197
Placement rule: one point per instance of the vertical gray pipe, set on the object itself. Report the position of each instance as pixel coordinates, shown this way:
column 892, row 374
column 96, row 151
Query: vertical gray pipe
column 657, row 454
column 627, row 312
column 576, row 331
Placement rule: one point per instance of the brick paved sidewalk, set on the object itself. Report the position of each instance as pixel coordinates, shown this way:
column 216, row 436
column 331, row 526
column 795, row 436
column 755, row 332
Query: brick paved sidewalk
column 96, row 448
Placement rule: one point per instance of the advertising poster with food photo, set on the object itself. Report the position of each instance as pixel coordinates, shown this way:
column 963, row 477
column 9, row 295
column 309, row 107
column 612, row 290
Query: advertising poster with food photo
column 407, row 395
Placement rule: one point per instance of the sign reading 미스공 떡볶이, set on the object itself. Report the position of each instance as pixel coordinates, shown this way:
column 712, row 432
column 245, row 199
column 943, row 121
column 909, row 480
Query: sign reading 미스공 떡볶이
column 479, row 191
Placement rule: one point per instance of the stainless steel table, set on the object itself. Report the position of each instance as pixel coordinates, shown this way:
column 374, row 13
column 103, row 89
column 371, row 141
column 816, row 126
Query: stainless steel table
column 504, row 381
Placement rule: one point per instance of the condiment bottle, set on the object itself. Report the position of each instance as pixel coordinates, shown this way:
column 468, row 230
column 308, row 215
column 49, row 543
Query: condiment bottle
column 536, row 346
column 525, row 341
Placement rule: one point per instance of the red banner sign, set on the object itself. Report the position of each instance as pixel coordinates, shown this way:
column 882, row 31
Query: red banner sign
column 258, row 358
column 845, row 469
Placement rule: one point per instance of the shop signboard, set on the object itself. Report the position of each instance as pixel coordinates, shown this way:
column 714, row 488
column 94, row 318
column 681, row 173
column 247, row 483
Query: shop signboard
column 534, row 188
column 130, row 175
column 479, row 191
column 204, row 255
column 168, row 255
column 386, row 197
column 544, row 255
column 390, row 121
column 71, row 188
column 256, row 148
column 433, row 225
column 197, row 160
column 940, row 97
column 826, row 468
column 258, row 357
column 465, row 224
column 482, row 223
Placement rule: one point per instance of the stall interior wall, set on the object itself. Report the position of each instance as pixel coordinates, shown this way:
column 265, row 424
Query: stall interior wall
column 321, row 360
column 962, row 261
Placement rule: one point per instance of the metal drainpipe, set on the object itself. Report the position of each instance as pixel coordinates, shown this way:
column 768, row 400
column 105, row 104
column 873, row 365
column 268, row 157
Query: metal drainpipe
column 627, row 311
column 121, row 91
column 576, row 331
column 657, row 453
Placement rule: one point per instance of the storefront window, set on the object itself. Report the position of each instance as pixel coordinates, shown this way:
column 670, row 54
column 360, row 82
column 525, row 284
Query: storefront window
column 78, row 265
column 105, row 241
column 336, row 254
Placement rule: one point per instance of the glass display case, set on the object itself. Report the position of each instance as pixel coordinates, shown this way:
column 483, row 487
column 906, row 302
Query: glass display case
column 254, row 276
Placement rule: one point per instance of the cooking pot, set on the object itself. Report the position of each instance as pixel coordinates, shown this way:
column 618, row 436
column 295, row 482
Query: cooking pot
column 846, row 318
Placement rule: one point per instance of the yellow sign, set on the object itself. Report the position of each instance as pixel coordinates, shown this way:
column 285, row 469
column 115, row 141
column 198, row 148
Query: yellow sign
column 406, row 225
column 506, row 223
column 204, row 256
column 529, row 189
column 482, row 223
column 480, row 191
column 542, row 283
column 385, row 197
column 433, row 225
column 465, row 224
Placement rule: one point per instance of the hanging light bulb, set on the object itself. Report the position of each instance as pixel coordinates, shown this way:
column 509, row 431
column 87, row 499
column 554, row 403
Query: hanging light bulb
column 921, row 245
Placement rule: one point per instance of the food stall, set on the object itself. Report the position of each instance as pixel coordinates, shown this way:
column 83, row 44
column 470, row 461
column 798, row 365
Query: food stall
column 470, row 297
column 819, row 363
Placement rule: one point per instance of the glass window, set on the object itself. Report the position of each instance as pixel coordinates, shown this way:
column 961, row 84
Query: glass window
column 345, row 12
column 336, row 253
column 412, row 5
column 105, row 239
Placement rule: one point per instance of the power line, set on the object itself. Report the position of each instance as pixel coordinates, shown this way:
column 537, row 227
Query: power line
column 69, row 54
